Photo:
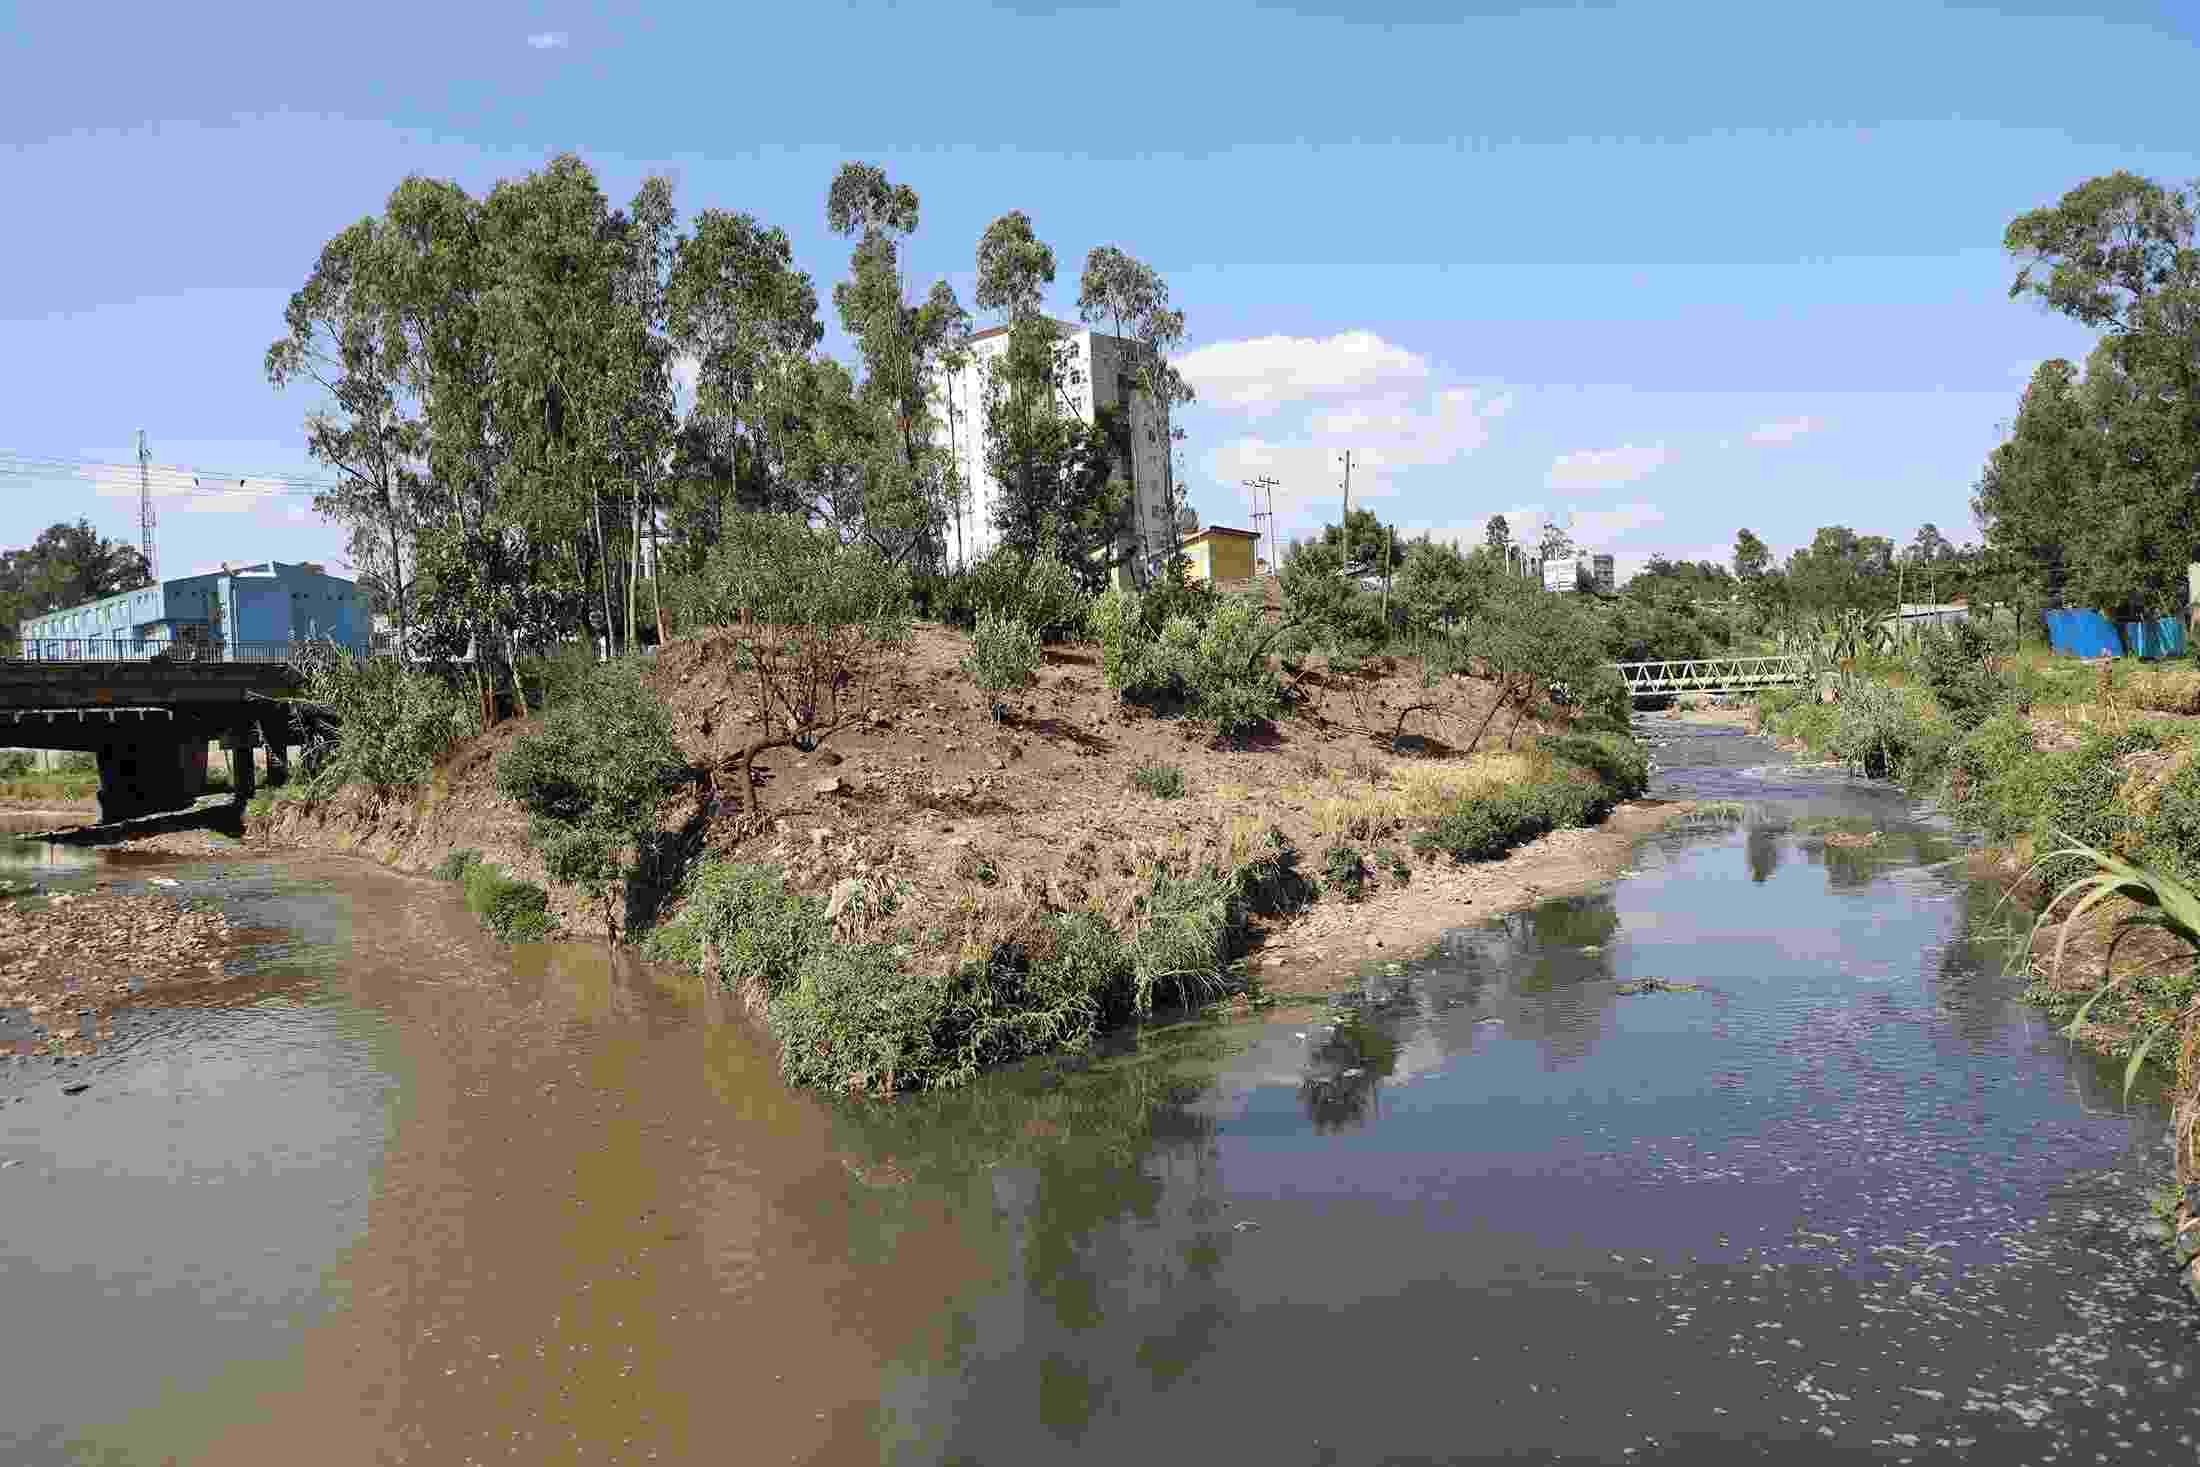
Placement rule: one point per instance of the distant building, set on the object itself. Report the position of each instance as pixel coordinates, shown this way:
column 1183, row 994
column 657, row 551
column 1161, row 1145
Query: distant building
column 1103, row 363
column 1221, row 555
column 242, row 606
column 1606, row 578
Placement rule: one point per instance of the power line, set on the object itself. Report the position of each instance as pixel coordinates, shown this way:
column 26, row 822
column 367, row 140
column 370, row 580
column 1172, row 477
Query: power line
column 169, row 478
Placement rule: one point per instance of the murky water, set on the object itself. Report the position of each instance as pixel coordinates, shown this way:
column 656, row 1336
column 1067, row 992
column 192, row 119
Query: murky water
column 397, row 1195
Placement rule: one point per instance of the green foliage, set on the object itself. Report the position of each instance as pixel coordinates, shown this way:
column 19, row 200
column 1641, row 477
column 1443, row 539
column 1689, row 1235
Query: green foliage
column 1162, row 781
column 1039, row 590
column 1345, row 869
column 1394, row 861
column 1587, row 778
column 454, row 866
column 392, row 724
column 1003, row 658
column 741, row 926
column 1883, row 732
column 15, row 763
column 516, row 911
column 1216, row 669
column 591, row 778
column 556, row 676
column 1326, row 609
column 1954, row 666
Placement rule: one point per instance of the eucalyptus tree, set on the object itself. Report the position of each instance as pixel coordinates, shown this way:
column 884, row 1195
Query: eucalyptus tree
column 748, row 318
column 902, row 346
column 1131, row 295
column 343, row 334
column 1053, row 467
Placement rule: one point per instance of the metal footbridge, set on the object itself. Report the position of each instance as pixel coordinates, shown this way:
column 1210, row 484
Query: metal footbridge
column 1713, row 675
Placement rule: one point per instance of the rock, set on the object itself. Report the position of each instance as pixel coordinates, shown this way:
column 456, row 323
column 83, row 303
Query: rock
column 1655, row 985
column 818, row 837
column 828, row 758
column 845, row 890
column 77, row 1089
column 829, row 785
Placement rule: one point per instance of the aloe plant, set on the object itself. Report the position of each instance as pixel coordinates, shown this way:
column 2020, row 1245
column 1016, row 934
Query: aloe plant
column 2164, row 902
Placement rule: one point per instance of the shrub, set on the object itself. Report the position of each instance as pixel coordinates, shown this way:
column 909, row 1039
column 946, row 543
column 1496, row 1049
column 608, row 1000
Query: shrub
column 1162, row 781
column 392, row 723
column 1880, row 731
column 1003, row 657
column 1953, row 665
column 1394, row 861
column 1216, row 669
column 1038, row 590
column 516, row 911
column 553, row 677
column 1345, row 869
column 1269, row 881
column 15, row 763
column 455, row 866
column 591, row 778
column 1620, row 762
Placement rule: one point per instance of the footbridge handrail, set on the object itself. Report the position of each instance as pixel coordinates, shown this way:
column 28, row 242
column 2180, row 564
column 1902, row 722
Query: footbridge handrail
column 1713, row 674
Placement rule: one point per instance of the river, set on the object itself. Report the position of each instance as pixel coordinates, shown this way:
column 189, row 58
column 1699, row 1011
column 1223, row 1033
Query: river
column 393, row 1194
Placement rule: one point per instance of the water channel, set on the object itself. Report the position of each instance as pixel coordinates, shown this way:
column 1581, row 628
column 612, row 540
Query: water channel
column 393, row 1194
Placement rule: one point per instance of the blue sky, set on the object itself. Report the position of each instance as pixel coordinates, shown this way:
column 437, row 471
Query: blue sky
column 1675, row 268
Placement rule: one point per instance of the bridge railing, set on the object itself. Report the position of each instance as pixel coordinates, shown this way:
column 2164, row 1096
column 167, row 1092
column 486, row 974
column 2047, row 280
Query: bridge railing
column 1713, row 674
column 148, row 649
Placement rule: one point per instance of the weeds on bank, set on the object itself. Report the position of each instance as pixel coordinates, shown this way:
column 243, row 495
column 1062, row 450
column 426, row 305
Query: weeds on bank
column 861, row 1016
column 1162, row 781
column 513, row 910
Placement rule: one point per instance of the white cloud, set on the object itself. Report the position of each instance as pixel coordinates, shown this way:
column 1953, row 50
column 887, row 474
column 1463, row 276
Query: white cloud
column 1786, row 430
column 1603, row 468
column 1595, row 527
column 1391, row 435
column 549, row 40
column 1260, row 375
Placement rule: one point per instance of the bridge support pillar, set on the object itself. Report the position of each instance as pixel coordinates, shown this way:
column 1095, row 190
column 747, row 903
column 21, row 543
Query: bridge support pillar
column 274, row 732
column 240, row 742
column 141, row 776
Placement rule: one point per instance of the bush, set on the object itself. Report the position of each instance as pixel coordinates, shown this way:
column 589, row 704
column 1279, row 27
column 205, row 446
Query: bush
column 591, row 778
column 741, row 926
column 1345, row 869
column 1217, row 670
column 1880, row 731
column 1003, row 658
column 1588, row 776
column 1162, row 781
column 555, row 676
column 392, row 723
column 1953, row 666
column 1394, row 861
column 1620, row 762
column 15, row 763
column 1039, row 590
column 516, row 911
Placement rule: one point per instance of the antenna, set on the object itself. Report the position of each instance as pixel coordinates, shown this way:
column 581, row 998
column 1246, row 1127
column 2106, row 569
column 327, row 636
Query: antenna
column 145, row 504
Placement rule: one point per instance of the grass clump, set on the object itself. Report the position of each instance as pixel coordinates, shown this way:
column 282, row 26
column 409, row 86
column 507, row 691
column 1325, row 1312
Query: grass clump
column 1163, row 781
column 515, row 911
column 741, row 926
column 454, row 866
column 1395, row 862
column 1573, row 780
column 1345, row 870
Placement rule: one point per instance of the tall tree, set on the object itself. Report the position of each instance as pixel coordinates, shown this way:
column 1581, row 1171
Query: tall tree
column 1131, row 295
column 1499, row 536
column 1752, row 558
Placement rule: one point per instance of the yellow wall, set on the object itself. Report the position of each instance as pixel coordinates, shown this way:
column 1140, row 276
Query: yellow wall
column 1222, row 558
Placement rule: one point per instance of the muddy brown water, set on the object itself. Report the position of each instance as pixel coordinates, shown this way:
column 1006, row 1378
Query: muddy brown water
column 397, row 1195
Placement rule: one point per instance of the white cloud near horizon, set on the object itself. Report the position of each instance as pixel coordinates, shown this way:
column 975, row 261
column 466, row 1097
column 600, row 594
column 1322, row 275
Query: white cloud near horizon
column 1260, row 375
column 1785, row 431
column 549, row 40
column 1604, row 468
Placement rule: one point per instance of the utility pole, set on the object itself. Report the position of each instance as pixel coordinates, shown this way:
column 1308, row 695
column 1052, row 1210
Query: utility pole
column 1266, row 485
column 145, row 504
column 1344, row 525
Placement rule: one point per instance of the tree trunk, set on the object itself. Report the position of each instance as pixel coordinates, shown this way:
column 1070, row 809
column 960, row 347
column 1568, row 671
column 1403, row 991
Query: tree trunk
column 657, row 574
column 519, row 689
column 746, row 763
column 603, row 565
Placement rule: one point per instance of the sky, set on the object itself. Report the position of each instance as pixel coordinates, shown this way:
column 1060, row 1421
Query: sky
column 1670, row 270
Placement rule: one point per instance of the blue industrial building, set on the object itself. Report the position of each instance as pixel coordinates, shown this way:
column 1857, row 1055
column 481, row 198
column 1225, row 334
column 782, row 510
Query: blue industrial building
column 245, row 612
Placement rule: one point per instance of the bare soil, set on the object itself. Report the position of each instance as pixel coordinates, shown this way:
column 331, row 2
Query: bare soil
column 978, row 818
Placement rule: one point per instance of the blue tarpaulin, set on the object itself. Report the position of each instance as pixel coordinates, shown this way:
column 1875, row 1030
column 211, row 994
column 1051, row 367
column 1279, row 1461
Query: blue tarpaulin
column 2163, row 638
column 2082, row 634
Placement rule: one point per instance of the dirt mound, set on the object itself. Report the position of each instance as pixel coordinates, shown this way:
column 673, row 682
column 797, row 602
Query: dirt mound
column 1040, row 809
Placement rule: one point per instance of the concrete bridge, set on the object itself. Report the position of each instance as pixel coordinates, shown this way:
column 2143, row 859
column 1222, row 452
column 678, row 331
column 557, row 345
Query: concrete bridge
column 149, row 713
column 1712, row 675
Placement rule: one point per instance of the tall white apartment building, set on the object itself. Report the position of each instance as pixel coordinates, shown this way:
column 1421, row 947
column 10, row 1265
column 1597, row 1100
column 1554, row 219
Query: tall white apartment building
column 1102, row 367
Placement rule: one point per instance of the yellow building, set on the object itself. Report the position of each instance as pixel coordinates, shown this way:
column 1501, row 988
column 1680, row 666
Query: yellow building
column 1221, row 555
